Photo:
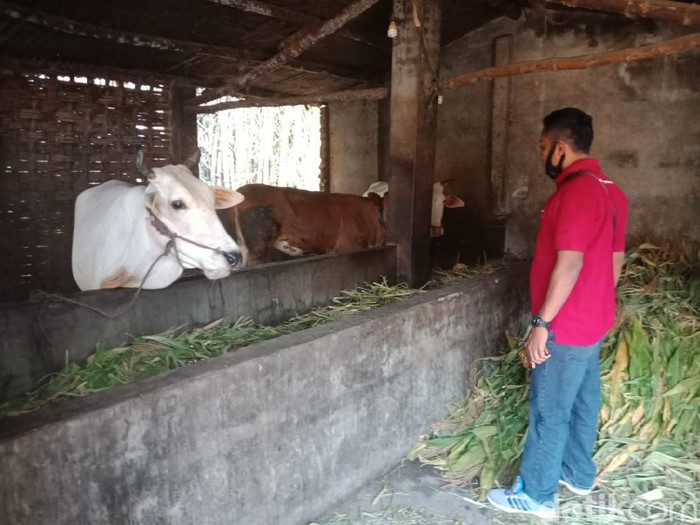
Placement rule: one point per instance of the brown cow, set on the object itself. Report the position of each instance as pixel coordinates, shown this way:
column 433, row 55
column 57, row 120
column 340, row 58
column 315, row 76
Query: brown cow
column 299, row 222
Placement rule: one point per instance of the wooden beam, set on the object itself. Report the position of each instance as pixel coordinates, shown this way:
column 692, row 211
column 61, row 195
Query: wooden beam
column 78, row 69
column 292, row 48
column 670, row 47
column 665, row 10
column 322, row 98
column 74, row 27
column 299, row 19
column 269, row 10
column 413, row 125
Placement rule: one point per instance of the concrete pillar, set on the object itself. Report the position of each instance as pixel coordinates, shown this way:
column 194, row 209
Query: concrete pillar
column 412, row 134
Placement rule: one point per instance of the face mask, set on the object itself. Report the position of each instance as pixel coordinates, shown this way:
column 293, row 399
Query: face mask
column 550, row 169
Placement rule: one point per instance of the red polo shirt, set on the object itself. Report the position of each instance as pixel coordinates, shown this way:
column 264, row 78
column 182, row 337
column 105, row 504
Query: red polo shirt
column 579, row 217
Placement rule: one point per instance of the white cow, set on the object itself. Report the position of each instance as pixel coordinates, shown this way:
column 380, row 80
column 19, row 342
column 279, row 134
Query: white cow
column 121, row 229
column 440, row 202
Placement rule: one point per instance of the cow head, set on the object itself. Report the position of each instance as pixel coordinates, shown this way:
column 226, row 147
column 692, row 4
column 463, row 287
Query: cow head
column 440, row 202
column 186, row 205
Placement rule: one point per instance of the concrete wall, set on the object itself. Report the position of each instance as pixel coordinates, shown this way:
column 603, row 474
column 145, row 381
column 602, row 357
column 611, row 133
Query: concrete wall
column 38, row 338
column 353, row 145
column 273, row 434
column 645, row 118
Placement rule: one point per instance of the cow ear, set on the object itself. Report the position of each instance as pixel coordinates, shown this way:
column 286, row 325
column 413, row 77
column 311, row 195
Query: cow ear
column 226, row 198
column 453, row 202
column 150, row 195
column 141, row 166
column 193, row 160
column 375, row 198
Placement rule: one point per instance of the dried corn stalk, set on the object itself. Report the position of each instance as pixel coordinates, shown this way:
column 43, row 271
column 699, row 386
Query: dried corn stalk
column 650, row 386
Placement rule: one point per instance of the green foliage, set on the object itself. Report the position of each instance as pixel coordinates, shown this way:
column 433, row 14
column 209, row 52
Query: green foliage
column 149, row 355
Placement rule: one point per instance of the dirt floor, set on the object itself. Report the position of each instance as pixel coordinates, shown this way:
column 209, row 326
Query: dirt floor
column 411, row 494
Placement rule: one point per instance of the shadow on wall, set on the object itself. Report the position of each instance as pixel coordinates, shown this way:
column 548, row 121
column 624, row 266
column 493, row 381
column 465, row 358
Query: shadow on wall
column 470, row 238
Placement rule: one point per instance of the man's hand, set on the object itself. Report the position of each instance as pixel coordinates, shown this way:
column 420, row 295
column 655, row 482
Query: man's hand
column 536, row 346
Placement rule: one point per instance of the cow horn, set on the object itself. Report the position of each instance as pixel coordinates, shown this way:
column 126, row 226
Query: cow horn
column 140, row 165
column 193, row 160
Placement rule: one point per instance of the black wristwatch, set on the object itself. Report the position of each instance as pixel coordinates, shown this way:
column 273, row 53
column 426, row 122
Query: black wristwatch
column 538, row 322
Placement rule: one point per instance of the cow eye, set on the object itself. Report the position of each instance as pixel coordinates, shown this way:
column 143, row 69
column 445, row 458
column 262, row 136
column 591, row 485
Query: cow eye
column 178, row 205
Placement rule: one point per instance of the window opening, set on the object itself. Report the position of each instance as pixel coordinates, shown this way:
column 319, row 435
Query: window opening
column 279, row 146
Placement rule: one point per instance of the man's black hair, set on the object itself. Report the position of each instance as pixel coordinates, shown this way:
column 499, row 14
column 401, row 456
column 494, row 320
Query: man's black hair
column 572, row 125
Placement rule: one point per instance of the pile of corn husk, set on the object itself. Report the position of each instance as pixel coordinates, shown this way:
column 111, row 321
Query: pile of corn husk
column 149, row 355
column 648, row 450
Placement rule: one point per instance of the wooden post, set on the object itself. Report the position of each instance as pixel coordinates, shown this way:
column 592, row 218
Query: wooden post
column 412, row 135
column 183, row 125
column 500, row 114
column 325, row 168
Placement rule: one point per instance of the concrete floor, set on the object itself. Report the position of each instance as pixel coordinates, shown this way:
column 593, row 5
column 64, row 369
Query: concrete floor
column 411, row 494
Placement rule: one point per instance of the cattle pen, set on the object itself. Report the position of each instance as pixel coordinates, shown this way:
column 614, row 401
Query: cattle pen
column 407, row 94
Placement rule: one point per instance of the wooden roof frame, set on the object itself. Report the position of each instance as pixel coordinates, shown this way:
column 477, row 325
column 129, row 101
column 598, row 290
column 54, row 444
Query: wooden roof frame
column 314, row 30
column 256, row 56
column 291, row 48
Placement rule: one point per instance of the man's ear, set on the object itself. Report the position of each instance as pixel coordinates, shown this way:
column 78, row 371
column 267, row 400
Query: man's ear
column 226, row 198
column 562, row 147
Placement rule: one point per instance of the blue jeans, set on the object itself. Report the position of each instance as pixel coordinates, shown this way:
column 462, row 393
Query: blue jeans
column 564, row 406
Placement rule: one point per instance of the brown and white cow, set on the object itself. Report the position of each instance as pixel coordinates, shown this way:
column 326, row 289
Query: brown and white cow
column 440, row 202
column 121, row 229
column 299, row 222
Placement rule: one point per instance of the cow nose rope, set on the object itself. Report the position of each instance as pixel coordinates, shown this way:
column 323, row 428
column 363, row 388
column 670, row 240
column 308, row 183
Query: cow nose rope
column 163, row 229
column 45, row 298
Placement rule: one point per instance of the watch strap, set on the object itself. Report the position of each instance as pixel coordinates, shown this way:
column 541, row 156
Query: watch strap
column 538, row 322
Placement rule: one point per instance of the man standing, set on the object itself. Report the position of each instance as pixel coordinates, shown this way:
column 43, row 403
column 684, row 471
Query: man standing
column 578, row 260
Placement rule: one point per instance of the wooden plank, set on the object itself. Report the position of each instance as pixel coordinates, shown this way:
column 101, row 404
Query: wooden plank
column 74, row 27
column 664, row 10
column 321, row 98
column 670, row 47
column 500, row 114
column 412, row 135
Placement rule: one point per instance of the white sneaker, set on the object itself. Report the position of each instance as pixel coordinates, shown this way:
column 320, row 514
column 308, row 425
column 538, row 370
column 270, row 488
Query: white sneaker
column 576, row 490
column 516, row 500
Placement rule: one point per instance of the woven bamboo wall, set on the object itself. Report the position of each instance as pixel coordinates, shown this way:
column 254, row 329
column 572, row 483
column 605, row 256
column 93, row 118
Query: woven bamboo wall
column 60, row 134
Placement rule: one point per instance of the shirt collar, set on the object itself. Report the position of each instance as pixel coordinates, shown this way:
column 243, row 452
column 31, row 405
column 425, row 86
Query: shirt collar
column 585, row 164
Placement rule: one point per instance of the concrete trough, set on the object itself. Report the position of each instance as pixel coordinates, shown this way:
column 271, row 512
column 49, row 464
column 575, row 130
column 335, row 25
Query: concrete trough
column 39, row 338
column 276, row 433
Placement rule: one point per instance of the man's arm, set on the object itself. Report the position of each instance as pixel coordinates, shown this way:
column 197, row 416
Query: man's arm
column 618, row 262
column 564, row 276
